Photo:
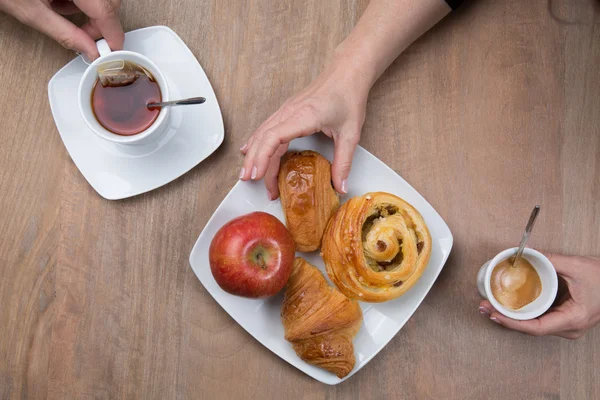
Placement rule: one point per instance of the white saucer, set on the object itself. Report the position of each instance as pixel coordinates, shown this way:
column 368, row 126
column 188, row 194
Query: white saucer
column 195, row 132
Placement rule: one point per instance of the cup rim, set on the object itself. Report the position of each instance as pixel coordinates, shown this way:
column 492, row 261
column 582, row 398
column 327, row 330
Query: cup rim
column 516, row 314
column 105, row 133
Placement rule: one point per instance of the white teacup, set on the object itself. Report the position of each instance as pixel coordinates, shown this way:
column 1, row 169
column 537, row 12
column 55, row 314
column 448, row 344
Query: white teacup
column 545, row 270
column 85, row 94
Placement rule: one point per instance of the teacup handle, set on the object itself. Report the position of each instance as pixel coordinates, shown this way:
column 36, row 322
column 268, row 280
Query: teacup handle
column 103, row 47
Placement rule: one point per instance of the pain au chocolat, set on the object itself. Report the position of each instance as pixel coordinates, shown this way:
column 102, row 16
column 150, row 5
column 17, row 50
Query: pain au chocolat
column 376, row 247
column 307, row 197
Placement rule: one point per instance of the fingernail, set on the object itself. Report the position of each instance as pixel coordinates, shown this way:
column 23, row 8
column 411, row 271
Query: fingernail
column 496, row 320
column 242, row 172
column 345, row 186
column 270, row 195
column 244, row 147
column 484, row 311
column 254, row 172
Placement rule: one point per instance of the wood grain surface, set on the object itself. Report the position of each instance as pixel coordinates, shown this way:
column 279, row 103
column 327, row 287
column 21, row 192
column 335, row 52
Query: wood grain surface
column 494, row 110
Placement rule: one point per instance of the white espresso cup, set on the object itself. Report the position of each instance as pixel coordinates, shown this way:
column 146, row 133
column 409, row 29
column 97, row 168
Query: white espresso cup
column 85, row 96
column 542, row 266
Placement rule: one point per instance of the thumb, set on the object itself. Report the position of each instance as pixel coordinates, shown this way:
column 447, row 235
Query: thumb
column 110, row 28
column 272, row 174
column 562, row 264
column 104, row 20
column 342, row 161
column 64, row 32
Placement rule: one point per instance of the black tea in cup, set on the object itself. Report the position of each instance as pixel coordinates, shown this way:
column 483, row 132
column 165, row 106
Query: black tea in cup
column 120, row 97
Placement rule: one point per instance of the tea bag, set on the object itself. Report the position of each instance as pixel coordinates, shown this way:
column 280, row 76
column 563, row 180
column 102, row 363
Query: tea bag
column 120, row 73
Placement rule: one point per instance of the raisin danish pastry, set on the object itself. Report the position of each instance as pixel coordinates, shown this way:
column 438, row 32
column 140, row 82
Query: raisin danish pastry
column 376, row 247
column 319, row 321
column 307, row 197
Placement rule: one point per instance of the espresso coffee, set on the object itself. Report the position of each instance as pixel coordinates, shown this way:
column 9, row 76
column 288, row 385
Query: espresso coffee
column 122, row 109
column 515, row 287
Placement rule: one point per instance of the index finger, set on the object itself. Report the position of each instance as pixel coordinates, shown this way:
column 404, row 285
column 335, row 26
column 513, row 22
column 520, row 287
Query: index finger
column 263, row 148
column 63, row 31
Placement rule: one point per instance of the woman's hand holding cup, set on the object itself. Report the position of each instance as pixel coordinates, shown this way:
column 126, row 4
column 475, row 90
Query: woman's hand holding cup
column 577, row 309
column 47, row 17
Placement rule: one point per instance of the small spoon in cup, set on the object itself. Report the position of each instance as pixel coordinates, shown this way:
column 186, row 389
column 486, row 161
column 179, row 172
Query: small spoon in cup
column 528, row 228
column 182, row 102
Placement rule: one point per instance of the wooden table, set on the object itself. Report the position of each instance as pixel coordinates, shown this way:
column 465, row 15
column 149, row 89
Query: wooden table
column 495, row 110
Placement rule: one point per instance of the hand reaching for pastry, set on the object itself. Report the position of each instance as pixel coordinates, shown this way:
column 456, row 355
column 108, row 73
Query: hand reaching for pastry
column 334, row 103
column 578, row 309
column 47, row 17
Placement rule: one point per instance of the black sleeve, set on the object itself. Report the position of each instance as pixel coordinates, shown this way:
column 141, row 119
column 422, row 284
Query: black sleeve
column 454, row 3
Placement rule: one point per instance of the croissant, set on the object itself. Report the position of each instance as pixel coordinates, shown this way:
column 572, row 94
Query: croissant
column 376, row 247
column 319, row 321
column 307, row 197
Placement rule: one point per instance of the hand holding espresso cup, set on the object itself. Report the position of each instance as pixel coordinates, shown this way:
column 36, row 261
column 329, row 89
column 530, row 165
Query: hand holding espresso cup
column 576, row 310
column 46, row 16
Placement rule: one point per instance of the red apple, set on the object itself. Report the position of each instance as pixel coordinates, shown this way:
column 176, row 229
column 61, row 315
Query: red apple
column 252, row 255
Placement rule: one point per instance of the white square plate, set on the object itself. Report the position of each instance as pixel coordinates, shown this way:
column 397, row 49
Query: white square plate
column 117, row 171
column 261, row 318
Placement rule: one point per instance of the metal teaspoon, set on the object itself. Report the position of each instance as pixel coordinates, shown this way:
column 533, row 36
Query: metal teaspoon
column 528, row 228
column 182, row 102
